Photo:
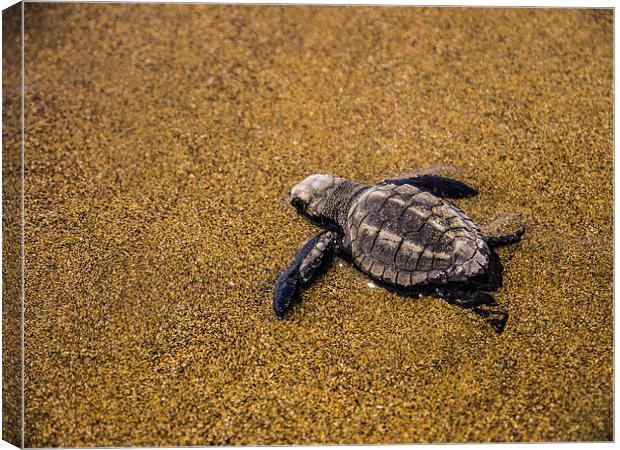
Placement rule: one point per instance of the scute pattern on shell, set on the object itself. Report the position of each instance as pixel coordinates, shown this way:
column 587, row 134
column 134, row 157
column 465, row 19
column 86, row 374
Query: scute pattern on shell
column 406, row 236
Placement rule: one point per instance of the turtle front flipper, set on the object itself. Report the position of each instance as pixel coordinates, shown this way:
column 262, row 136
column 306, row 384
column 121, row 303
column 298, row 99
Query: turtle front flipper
column 313, row 257
column 438, row 186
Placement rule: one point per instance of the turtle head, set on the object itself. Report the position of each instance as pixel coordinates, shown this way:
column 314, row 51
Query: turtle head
column 311, row 196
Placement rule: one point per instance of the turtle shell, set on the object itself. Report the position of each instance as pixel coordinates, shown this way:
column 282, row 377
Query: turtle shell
column 405, row 236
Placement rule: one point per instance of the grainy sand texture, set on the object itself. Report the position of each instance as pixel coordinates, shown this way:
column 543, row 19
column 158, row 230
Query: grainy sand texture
column 11, row 229
column 161, row 142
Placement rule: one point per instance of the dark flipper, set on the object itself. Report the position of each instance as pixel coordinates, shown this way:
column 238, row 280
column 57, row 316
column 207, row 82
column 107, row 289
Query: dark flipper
column 494, row 315
column 313, row 257
column 507, row 239
column 438, row 186
column 480, row 303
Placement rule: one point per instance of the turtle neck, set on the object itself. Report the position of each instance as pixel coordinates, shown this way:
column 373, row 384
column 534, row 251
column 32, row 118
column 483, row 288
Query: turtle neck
column 339, row 201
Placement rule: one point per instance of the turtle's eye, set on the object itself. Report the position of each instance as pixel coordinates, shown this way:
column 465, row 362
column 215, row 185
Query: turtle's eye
column 298, row 204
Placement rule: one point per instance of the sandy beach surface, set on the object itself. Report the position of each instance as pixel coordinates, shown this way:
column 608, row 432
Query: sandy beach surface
column 11, row 226
column 161, row 142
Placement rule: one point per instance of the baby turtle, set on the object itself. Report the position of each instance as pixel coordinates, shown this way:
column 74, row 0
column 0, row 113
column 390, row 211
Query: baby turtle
column 403, row 234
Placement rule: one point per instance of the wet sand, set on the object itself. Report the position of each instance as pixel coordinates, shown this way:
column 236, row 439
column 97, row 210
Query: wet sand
column 161, row 142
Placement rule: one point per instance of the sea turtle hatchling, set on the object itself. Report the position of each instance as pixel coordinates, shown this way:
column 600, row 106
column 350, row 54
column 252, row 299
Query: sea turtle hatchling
column 403, row 234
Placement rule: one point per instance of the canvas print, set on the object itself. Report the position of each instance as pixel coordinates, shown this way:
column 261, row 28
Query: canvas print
column 302, row 224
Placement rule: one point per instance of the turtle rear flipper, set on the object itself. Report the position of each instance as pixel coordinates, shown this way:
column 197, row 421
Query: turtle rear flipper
column 483, row 305
column 480, row 303
column 438, row 186
column 494, row 315
column 506, row 239
column 313, row 257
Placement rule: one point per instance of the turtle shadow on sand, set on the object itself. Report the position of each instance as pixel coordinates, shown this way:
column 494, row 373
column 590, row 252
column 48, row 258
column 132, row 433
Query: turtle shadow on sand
column 474, row 295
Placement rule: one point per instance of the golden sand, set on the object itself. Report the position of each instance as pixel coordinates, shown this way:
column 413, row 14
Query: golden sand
column 11, row 228
column 161, row 142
